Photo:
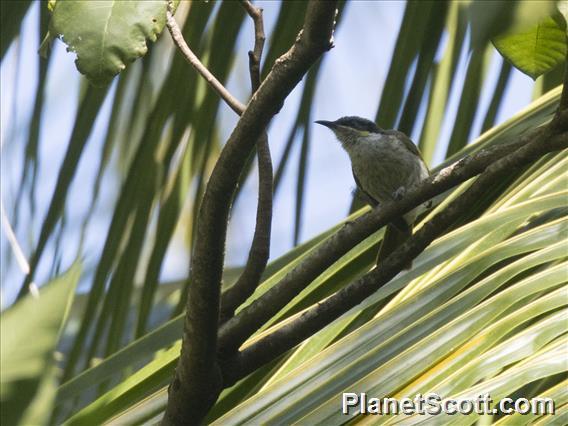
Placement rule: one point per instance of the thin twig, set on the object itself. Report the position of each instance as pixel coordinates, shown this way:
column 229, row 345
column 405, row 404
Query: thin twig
column 256, row 54
column 322, row 314
column 260, row 247
column 16, row 248
column 215, row 84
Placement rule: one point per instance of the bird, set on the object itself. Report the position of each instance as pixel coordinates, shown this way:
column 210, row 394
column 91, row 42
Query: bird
column 385, row 164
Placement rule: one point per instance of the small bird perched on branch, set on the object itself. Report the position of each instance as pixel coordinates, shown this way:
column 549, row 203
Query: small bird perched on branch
column 385, row 163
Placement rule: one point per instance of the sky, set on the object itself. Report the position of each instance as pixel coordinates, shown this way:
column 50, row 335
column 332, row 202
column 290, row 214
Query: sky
column 350, row 83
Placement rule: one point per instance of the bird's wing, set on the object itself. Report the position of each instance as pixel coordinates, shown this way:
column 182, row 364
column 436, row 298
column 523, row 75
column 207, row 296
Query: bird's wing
column 372, row 201
column 398, row 222
column 408, row 144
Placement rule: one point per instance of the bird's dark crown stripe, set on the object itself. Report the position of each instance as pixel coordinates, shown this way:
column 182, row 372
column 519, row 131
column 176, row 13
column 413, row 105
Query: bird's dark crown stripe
column 359, row 123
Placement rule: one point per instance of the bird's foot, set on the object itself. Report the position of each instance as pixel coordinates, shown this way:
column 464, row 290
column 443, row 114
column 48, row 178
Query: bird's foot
column 399, row 193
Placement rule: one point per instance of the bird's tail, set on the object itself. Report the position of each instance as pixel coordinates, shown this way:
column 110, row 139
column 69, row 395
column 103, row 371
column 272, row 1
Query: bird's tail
column 394, row 238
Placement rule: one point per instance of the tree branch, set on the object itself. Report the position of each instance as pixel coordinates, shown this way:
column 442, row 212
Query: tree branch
column 233, row 333
column 322, row 314
column 259, row 252
column 194, row 61
column 256, row 54
column 260, row 247
column 197, row 381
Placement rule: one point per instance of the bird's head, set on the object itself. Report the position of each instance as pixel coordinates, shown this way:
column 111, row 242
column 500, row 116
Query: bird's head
column 351, row 129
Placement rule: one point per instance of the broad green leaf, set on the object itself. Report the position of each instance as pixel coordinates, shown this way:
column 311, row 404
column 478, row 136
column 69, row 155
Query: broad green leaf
column 107, row 35
column 537, row 50
column 30, row 332
column 492, row 18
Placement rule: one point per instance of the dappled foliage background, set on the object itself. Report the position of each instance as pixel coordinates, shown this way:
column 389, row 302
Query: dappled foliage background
column 112, row 177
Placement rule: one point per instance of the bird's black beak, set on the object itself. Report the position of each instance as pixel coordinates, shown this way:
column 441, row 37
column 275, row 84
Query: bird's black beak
column 329, row 124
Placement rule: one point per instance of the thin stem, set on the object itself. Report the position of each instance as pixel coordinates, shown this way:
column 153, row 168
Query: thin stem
column 194, row 61
column 260, row 247
column 256, row 54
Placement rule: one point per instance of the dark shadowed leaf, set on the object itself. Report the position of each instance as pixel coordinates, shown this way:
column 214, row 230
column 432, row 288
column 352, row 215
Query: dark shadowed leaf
column 12, row 13
column 491, row 18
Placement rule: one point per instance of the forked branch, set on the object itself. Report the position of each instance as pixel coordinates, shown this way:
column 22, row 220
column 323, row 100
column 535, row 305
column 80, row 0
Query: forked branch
column 260, row 248
column 198, row 381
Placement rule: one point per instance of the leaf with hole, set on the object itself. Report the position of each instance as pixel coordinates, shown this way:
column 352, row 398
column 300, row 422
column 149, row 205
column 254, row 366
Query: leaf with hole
column 107, row 35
